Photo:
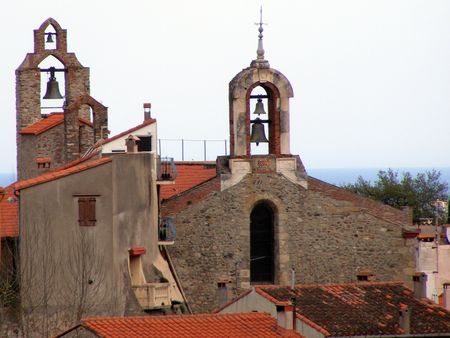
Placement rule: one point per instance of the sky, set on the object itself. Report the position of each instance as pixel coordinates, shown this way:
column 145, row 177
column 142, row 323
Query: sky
column 371, row 79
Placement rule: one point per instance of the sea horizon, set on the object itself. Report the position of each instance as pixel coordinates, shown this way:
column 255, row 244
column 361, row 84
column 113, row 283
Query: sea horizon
column 335, row 176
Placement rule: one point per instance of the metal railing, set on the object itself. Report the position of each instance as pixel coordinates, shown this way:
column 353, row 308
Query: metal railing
column 153, row 295
column 193, row 150
column 167, row 171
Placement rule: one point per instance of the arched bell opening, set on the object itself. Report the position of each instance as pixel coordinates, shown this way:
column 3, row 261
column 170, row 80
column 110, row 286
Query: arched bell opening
column 259, row 121
column 50, row 41
column 53, row 84
column 263, row 119
column 262, row 247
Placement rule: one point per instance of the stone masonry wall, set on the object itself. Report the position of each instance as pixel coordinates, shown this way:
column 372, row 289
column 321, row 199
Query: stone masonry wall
column 324, row 239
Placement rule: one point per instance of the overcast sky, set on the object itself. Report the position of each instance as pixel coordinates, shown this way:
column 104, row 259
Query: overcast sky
column 371, row 79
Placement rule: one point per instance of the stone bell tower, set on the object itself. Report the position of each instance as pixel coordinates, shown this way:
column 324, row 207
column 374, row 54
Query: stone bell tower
column 47, row 138
column 267, row 89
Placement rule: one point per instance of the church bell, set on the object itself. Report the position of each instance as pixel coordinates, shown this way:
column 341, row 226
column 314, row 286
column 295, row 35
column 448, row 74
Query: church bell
column 259, row 108
column 52, row 87
column 49, row 38
column 258, row 134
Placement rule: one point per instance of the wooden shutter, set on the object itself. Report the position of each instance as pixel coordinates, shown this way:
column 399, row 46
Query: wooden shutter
column 86, row 211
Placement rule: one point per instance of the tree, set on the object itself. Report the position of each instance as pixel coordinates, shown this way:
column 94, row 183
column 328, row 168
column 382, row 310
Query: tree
column 419, row 192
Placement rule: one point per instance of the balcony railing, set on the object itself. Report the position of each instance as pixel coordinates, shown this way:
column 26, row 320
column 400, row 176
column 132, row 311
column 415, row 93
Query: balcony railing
column 166, row 231
column 167, row 171
column 153, row 295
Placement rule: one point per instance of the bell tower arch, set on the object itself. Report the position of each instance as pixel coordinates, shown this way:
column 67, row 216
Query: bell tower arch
column 278, row 92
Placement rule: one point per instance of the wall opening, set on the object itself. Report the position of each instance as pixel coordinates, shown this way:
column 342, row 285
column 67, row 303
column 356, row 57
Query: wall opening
column 262, row 257
column 50, row 37
column 262, row 148
column 52, row 105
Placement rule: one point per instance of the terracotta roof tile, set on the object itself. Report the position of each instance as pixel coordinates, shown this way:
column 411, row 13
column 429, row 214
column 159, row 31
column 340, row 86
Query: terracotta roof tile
column 9, row 217
column 53, row 175
column 189, row 175
column 48, row 122
column 365, row 308
column 207, row 325
column 371, row 206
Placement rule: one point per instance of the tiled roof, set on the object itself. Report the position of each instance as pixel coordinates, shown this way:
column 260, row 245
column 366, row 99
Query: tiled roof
column 365, row 308
column 376, row 208
column 189, row 175
column 208, row 325
column 53, row 175
column 48, row 122
column 9, row 216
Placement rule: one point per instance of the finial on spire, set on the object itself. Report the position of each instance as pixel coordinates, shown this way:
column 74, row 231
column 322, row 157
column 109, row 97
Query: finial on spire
column 260, row 62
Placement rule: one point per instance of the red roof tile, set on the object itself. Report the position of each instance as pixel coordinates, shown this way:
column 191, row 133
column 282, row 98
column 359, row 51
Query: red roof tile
column 189, row 175
column 48, row 122
column 53, row 175
column 9, row 217
column 371, row 206
column 208, row 325
column 359, row 308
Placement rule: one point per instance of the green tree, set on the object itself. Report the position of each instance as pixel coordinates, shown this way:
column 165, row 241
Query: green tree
column 419, row 192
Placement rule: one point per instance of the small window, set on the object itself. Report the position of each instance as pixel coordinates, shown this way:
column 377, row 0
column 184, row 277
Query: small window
column 145, row 143
column 86, row 211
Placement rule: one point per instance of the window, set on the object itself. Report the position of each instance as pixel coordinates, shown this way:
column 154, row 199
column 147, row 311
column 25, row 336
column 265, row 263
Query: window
column 86, row 211
column 145, row 143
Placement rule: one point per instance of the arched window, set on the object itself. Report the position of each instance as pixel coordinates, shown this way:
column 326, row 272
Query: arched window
column 262, row 244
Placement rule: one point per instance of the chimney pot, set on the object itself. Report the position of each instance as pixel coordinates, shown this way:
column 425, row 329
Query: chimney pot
column 285, row 316
column 405, row 318
column 420, row 285
column 132, row 144
column 147, row 111
column 446, row 295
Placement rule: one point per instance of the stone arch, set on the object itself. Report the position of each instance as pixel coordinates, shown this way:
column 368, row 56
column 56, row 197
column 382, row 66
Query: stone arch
column 39, row 36
column 71, row 123
column 239, row 91
column 280, row 236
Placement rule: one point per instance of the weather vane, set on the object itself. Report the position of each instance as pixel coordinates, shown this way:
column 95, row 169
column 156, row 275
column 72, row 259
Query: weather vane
column 260, row 51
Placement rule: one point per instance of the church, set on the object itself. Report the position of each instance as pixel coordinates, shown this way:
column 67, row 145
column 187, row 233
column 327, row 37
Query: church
column 260, row 219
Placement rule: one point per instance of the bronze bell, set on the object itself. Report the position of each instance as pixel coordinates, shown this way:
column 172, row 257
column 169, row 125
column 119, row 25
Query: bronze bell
column 49, row 38
column 52, row 87
column 258, row 134
column 259, row 108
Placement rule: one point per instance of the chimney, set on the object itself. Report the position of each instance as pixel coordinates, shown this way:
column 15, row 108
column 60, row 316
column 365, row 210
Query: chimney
column 147, row 111
column 446, row 296
column 285, row 316
column 365, row 276
column 405, row 318
column 132, row 144
column 223, row 290
column 420, row 285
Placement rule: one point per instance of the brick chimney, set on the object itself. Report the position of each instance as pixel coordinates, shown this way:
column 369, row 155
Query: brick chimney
column 147, row 111
column 405, row 318
column 132, row 144
column 446, row 296
column 420, row 285
column 285, row 316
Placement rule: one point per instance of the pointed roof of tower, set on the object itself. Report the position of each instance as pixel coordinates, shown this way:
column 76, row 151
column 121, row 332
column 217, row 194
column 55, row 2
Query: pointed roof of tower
column 260, row 62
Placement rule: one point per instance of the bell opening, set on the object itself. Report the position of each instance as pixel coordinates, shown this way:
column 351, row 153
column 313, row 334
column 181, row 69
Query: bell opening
column 50, row 37
column 259, row 143
column 53, row 84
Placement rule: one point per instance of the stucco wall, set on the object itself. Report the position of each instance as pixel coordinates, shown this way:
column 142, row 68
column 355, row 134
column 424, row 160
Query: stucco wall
column 324, row 239
column 53, row 243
